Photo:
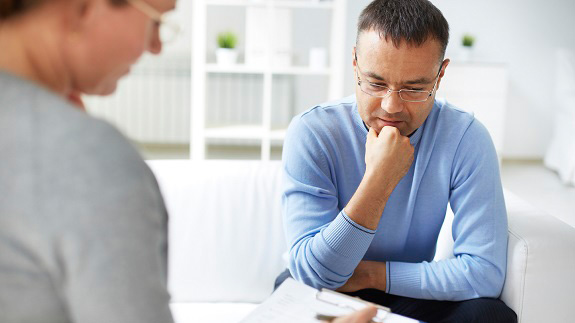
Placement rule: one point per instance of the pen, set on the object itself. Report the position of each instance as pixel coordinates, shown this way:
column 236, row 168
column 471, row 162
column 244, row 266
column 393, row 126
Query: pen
column 323, row 317
column 327, row 318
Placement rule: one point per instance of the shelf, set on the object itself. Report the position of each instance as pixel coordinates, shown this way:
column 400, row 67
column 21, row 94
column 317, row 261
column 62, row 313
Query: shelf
column 274, row 3
column 243, row 132
column 234, row 69
column 278, row 134
column 245, row 69
column 235, row 132
column 301, row 71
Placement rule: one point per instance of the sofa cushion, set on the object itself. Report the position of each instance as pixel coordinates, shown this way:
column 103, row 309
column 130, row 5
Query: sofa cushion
column 225, row 246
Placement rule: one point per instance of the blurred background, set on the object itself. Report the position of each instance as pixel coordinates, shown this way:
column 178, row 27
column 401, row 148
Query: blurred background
column 239, row 70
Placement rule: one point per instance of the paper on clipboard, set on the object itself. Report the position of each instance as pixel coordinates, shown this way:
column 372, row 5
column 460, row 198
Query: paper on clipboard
column 297, row 302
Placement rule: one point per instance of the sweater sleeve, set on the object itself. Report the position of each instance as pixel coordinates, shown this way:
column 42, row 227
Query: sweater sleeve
column 325, row 244
column 479, row 231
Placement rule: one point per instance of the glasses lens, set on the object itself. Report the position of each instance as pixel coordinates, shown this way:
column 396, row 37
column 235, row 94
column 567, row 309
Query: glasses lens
column 374, row 90
column 409, row 95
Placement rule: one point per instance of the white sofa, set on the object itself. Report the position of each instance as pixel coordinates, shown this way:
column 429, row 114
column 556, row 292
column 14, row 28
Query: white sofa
column 227, row 241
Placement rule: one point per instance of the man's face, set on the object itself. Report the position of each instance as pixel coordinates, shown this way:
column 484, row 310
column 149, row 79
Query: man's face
column 407, row 67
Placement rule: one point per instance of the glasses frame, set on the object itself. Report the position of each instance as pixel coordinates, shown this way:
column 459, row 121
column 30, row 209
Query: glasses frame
column 390, row 91
column 157, row 17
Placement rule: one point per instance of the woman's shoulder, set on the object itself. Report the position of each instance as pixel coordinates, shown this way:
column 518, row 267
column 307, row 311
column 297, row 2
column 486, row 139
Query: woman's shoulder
column 37, row 117
column 64, row 141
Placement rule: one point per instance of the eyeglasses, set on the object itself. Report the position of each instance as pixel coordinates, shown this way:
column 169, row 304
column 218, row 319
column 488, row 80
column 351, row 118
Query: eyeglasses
column 168, row 30
column 381, row 91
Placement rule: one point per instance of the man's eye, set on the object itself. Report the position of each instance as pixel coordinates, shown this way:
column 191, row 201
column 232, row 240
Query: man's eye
column 376, row 87
column 416, row 89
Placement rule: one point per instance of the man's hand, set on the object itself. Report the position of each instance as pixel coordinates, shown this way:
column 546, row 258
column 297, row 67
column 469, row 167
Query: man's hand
column 368, row 274
column 388, row 157
column 388, row 153
column 363, row 316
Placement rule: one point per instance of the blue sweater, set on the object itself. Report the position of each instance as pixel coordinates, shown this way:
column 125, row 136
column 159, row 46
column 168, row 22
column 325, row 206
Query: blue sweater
column 454, row 161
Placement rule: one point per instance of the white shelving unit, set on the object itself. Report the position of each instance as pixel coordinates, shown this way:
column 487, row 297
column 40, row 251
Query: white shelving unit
column 324, row 4
column 244, row 69
column 263, row 132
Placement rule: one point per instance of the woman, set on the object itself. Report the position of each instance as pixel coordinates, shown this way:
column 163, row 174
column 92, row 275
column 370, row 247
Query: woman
column 82, row 222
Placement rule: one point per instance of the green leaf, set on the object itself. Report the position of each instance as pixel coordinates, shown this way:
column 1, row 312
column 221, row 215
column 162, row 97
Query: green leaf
column 467, row 40
column 227, row 39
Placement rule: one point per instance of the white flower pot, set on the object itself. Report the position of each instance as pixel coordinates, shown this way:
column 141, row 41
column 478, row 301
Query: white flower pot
column 226, row 56
column 466, row 54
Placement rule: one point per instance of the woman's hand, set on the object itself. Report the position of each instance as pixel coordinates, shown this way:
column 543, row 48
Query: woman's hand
column 363, row 316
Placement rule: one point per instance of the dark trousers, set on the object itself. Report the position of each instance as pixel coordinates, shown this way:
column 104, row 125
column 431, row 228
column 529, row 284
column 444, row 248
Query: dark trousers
column 478, row 310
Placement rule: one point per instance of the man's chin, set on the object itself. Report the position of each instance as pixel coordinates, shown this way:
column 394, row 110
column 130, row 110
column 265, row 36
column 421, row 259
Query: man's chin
column 401, row 129
column 378, row 125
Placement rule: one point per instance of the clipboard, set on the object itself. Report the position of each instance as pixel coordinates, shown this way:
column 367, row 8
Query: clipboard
column 296, row 302
column 348, row 302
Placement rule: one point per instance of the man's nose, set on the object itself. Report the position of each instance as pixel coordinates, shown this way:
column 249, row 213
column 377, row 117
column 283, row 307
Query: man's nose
column 392, row 103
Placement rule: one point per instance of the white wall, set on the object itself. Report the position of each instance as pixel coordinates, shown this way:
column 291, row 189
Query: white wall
column 523, row 34
column 520, row 33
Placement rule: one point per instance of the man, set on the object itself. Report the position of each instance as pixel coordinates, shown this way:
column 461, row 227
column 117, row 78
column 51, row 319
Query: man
column 368, row 179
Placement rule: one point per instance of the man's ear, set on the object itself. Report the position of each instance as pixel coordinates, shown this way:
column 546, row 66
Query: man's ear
column 354, row 63
column 443, row 68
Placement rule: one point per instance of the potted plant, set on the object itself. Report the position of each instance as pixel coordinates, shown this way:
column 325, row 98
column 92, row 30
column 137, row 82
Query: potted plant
column 467, row 42
column 226, row 54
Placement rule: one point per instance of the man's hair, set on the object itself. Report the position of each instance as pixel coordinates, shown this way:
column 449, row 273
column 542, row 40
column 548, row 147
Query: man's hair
column 413, row 21
column 10, row 8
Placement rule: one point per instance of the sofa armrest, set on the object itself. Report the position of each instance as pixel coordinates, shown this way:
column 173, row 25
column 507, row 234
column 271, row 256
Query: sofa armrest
column 540, row 268
column 540, row 275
